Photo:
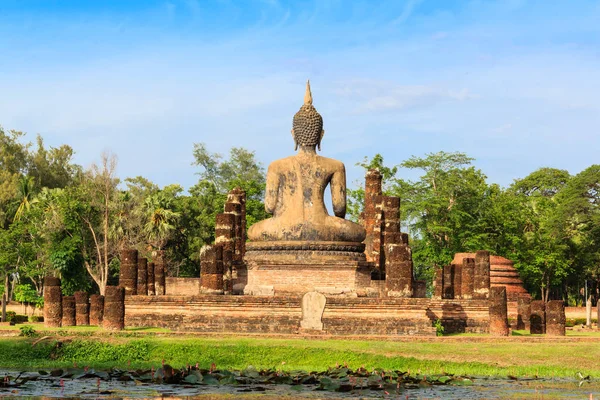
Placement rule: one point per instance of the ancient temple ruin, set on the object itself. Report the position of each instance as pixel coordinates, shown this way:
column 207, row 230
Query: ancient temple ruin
column 303, row 270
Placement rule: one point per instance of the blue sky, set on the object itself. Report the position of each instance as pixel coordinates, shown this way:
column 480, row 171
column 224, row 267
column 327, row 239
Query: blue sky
column 514, row 84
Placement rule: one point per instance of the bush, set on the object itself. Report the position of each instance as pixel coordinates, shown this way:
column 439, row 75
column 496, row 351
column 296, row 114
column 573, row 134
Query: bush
column 439, row 327
column 28, row 331
column 36, row 318
column 570, row 322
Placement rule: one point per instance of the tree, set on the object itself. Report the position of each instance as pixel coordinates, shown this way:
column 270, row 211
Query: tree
column 160, row 216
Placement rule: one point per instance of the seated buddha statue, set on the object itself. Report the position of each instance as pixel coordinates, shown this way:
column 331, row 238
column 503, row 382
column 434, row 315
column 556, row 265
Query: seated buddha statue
column 296, row 187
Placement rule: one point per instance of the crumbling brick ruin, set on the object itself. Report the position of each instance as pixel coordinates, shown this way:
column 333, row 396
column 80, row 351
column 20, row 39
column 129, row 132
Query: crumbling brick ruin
column 82, row 309
column 555, row 318
column 114, row 308
column 142, row 276
column 68, row 311
column 96, row 309
column 128, row 271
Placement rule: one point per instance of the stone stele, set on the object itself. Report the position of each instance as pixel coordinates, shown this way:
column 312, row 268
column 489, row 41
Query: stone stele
column 313, row 305
column 302, row 248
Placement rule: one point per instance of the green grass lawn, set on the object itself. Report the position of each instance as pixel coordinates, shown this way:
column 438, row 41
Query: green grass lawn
column 464, row 357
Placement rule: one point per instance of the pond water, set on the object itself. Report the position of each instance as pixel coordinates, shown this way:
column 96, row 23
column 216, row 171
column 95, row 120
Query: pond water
column 36, row 386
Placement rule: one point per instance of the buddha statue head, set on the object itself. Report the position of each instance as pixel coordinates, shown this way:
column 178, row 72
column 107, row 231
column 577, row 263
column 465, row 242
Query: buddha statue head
column 307, row 127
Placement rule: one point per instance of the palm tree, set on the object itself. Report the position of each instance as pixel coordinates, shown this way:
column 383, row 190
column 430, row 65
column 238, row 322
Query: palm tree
column 25, row 196
column 160, row 219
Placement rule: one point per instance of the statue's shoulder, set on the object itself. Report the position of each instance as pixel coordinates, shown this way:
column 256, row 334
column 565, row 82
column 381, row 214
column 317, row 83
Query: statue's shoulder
column 281, row 163
column 331, row 162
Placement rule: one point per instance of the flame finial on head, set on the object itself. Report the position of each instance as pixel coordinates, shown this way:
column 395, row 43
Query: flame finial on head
column 308, row 95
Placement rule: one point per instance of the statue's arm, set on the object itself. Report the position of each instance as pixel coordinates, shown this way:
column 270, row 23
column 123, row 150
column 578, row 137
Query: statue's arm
column 338, row 191
column 271, row 190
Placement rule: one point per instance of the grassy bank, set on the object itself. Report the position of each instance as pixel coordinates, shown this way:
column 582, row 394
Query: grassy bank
column 494, row 358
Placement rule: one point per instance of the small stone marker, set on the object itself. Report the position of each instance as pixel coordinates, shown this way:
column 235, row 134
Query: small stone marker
column 313, row 306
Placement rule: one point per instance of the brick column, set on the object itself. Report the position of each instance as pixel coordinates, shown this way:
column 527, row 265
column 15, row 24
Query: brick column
column 481, row 279
column 151, row 279
column 159, row 273
column 114, row 308
column 538, row 317
column 458, row 280
column 225, row 237
column 391, row 218
column 142, row 277
column 52, row 302
column 467, row 281
column 82, row 309
column 211, row 269
column 128, row 271
column 68, row 311
column 398, row 271
column 555, row 318
column 96, row 309
column 438, row 284
column 234, row 206
column 448, row 291
column 498, row 311
column 523, row 312
column 370, row 217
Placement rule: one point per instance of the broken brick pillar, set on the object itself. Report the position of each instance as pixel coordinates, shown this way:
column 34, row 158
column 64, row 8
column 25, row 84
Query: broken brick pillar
column 151, row 278
column 96, row 309
column 448, row 291
column 234, row 206
column 438, row 284
column 128, row 271
column 225, row 237
column 142, row 277
column 498, row 311
column 211, row 269
column 537, row 320
column 390, row 208
column 159, row 273
column 555, row 318
column 467, row 284
column 82, row 309
column 419, row 289
column 398, row 271
column 52, row 302
column 114, row 308
column 481, row 276
column 523, row 312
column 369, row 216
column 68, row 311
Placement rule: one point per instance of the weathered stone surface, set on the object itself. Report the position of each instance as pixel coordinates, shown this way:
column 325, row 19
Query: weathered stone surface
column 523, row 312
column 142, row 277
column 457, row 283
column 52, row 302
column 128, row 271
column 114, row 308
column 296, row 186
column 82, row 309
column 498, row 312
column 68, row 311
column 96, row 309
column 313, row 306
column 538, row 317
column 448, row 279
column 467, row 270
column 481, row 278
column 555, row 318
column 419, row 289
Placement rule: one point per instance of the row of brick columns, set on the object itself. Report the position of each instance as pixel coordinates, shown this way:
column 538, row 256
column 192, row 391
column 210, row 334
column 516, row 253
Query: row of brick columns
column 219, row 263
column 140, row 277
column 470, row 280
column 78, row 310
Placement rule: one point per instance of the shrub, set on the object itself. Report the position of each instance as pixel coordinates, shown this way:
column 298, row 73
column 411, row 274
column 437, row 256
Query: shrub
column 36, row 318
column 439, row 327
column 27, row 331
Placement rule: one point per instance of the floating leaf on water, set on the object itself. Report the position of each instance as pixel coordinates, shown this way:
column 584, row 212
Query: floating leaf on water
column 56, row 372
column 42, row 373
column 444, row 379
column 210, row 380
column 297, row 388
